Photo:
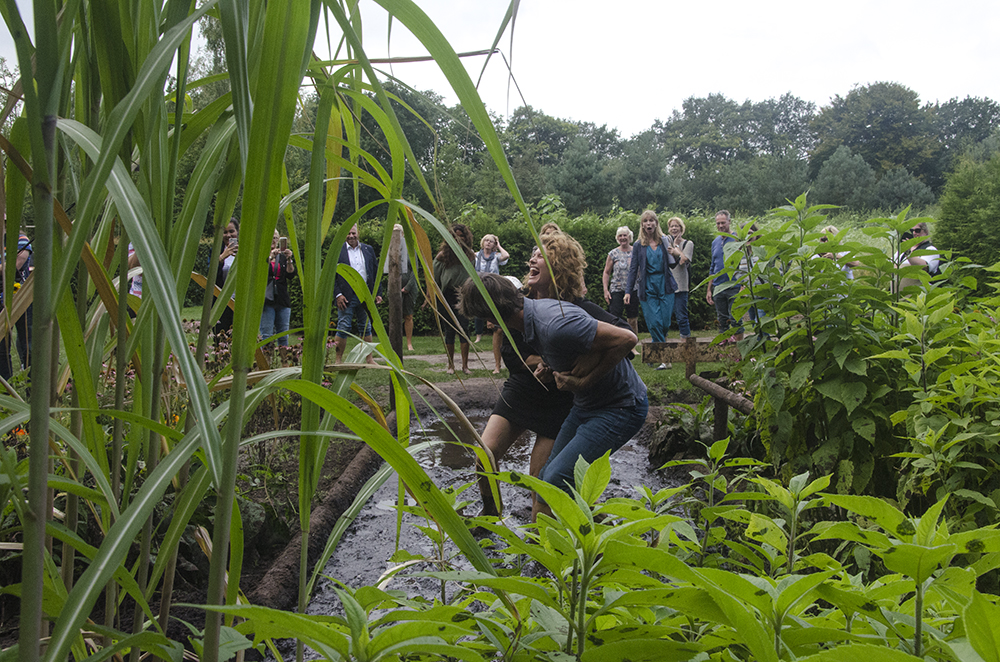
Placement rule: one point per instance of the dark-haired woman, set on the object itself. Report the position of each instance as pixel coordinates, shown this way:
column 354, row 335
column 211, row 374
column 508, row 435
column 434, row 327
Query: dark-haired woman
column 230, row 246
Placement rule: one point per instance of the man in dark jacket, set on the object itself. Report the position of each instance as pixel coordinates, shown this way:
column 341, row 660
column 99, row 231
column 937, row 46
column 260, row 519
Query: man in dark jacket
column 360, row 257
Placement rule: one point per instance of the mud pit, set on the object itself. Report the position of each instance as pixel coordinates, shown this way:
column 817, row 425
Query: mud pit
column 363, row 555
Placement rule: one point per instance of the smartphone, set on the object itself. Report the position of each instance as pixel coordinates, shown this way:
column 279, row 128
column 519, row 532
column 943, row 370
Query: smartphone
column 283, row 243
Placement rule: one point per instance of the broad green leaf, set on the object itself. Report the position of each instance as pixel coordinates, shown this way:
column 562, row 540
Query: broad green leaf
column 764, row 529
column 915, row 561
column 793, row 588
column 638, row 648
column 856, row 652
column 596, row 479
column 927, row 525
column 982, row 625
column 881, row 512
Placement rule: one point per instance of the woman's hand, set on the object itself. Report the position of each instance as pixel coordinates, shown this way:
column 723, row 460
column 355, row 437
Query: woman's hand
column 607, row 296
column 628, row 298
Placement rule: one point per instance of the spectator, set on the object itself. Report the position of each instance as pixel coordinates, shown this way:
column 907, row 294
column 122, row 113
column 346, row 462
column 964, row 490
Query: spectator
column 409, row 288
column 681, row 273
column 22, row 269
column 489, row 259
column 449, row 274
column 616, row 275
column 653, row 258
column 277, row 304
column 722, row 290
column 230, row 246
column 361, row 258
column 928, row 258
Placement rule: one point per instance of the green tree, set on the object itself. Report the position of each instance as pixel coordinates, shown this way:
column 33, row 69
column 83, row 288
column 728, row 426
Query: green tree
column 713, row 130
column 845, row 179
column 765, row 182
column 579, row 179
column 898, row 189
column 970, row 207
column 638, row 177
column 532, row 133
column 885, row 124
column 962, row 123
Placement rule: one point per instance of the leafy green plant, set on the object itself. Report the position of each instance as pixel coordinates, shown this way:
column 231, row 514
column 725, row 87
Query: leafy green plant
column 708, row 500
column 822, row 402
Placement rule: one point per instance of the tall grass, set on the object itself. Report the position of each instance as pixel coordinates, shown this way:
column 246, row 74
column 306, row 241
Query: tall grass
column 103, row 137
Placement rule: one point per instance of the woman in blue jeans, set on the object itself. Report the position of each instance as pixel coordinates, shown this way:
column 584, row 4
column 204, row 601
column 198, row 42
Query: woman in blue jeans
column 580, row 355
column 277, row 304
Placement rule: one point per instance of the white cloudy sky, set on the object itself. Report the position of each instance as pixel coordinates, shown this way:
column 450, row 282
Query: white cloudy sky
column 630, row 62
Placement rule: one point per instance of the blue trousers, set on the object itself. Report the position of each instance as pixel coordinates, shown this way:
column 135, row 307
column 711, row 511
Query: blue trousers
column 590, row 433
column 681, row 313
column 344, row 318
column 274, row 320
column 724, row 308
column 658, row 310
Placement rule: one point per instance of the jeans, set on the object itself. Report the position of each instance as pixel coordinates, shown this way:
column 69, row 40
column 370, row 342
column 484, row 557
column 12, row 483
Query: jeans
column 681, row 313
column 275, row 320
column 658, row 310
column 345, row 316
column 724, row 307
column 590, row 433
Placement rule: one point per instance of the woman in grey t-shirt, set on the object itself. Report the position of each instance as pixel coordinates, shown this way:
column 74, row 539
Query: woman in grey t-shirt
column 676, row 228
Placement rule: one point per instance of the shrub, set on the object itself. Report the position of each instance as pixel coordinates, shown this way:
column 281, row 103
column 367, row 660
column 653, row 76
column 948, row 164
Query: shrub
column 970, row 207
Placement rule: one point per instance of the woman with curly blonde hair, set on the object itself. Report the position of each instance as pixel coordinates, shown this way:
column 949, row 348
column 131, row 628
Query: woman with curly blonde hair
column 565, row 281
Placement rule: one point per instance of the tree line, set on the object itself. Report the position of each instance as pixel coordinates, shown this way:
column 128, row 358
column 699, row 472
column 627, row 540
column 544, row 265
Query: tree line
column 877, row 147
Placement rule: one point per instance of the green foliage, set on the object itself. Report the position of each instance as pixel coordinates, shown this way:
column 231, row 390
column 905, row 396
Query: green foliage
column 970, row 206
column 614, row 580
column 845, row 179
column 822, row 403
column 898, row 189
column 883, row 123
column 950, row 356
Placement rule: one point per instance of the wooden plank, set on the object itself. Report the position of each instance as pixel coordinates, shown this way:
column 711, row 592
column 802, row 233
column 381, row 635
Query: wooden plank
column 723, row 394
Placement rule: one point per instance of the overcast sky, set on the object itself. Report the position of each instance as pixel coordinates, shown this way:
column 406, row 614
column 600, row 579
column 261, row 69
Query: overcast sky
column 628, row 63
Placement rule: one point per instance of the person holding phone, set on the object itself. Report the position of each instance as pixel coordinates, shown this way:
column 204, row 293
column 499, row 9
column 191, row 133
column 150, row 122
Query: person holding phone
column 653, row 258
column 277, row 304
column 230, row 246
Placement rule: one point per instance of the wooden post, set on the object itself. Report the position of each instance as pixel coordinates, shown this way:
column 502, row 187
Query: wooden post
column 723, row 399
column 394, row 296
column 721, row 419
column 690, row 356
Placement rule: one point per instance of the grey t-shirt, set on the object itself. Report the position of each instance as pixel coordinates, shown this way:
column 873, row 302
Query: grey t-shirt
column 561, row 332
column 682, row 272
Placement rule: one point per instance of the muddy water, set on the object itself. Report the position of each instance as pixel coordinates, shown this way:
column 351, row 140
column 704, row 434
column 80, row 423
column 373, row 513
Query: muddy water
column 363, row 555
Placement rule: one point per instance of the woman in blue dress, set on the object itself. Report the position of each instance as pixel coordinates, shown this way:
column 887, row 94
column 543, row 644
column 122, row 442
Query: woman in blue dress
column 653, row 256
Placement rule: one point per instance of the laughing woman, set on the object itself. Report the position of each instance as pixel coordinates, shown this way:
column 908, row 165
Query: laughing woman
column 653, row 256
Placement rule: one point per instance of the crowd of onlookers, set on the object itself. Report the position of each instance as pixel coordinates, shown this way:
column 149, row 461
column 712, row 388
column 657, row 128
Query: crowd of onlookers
column 651, row 272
